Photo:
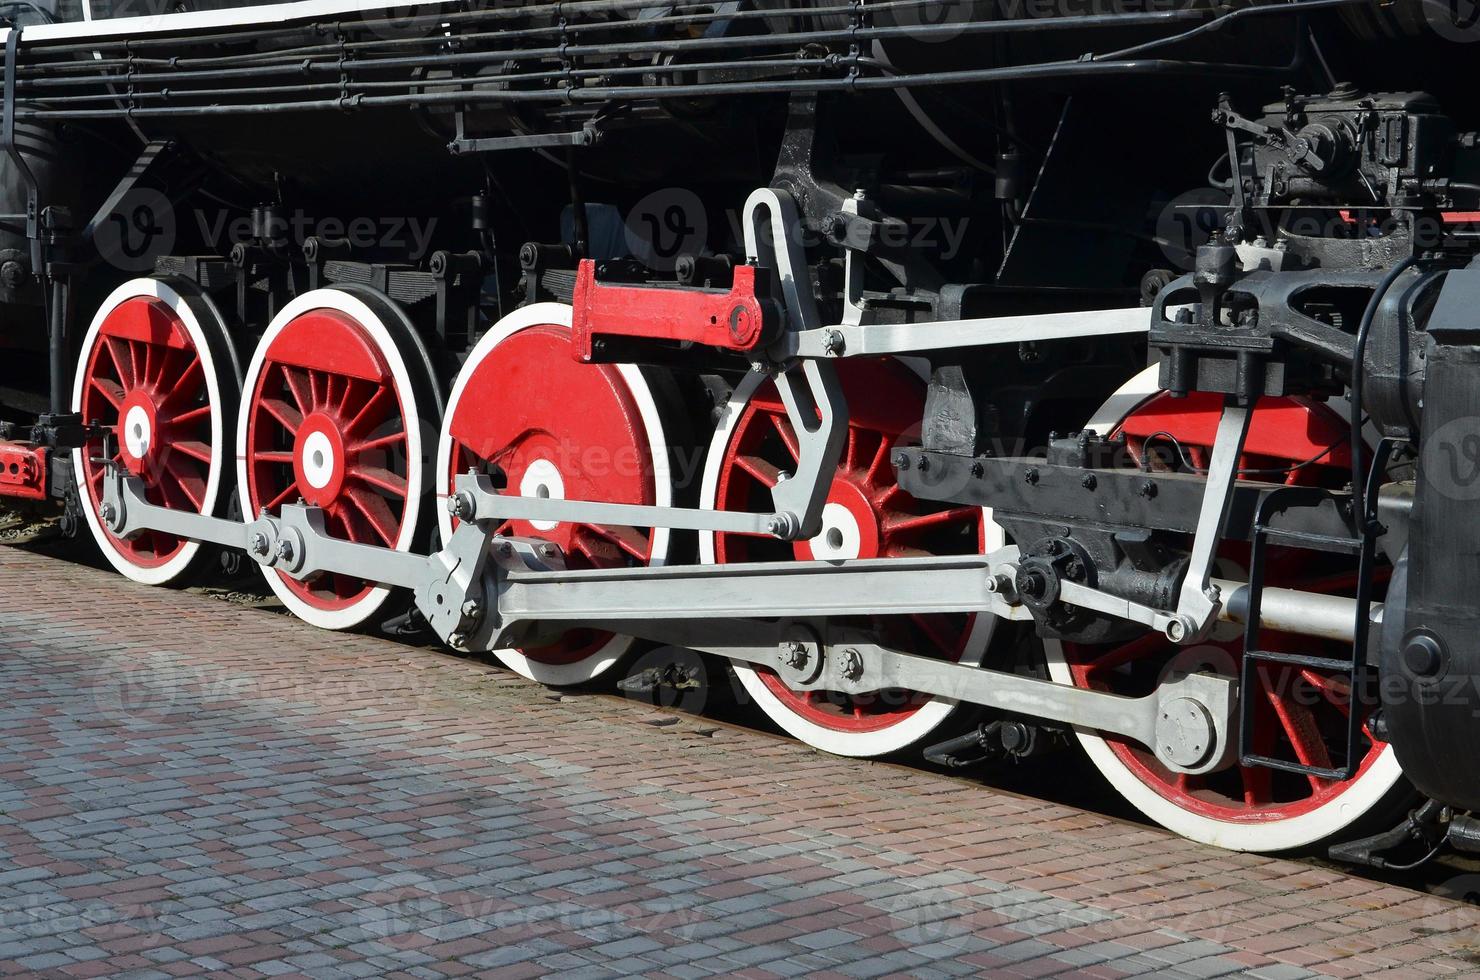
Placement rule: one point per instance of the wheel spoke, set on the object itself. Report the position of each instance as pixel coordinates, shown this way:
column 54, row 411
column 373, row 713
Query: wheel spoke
column 185, row 384
column 878, row 467
column 926, row 522
column 378, row 476
column 1300, row 729
column 346, row 521
column 193, row 448
column 191, row 416
column 291, row 492
column 281, row 456
column 788, row 436
column 380, row 442
column 629, row 539
column 369, row 415
column 147, row 375
column 189, row 482
column 850, row 449
column 1139, row 648
column 287, row 416
column 299, row 387
column 122, row 362
column 1336, row 692
column 376, row 512
column 764, row 472
column 110, row 390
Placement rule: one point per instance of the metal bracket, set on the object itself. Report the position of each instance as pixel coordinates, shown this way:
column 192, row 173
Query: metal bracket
column 821, row 420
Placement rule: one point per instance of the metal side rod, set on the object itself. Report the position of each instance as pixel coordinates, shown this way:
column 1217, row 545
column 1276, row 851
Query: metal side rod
column 1185, row 721
column 873, row 339
column 475, row 499
column 450, row 587
column 1200, row 600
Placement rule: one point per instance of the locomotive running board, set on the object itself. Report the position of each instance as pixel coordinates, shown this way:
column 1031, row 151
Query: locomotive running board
column 481, row 593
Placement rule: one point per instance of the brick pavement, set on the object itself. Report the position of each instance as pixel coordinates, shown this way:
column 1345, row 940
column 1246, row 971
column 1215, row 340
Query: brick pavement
column 188, row 786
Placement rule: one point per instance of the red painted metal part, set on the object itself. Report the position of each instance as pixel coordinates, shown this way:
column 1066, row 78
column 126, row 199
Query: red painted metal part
column 22, row 471
column 730, row 321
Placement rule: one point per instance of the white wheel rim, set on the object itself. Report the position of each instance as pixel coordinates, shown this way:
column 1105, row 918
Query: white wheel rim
column 154, row 289
column 361, row 611
column 559, row 314
column 919, row 724
column 1275, row 835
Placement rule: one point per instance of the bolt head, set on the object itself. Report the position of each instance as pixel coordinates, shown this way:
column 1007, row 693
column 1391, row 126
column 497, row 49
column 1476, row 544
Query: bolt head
column 259, row 543
column 472, row 609
column 285, row 550
column 1423, row 656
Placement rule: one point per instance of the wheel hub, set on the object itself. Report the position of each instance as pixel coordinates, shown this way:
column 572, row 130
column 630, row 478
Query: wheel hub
column 542, row 479
column 850, row 527
column 138, row 421
column 318, row 460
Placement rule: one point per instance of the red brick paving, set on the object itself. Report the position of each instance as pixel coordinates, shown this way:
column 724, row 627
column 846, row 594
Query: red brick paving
column 188, row 786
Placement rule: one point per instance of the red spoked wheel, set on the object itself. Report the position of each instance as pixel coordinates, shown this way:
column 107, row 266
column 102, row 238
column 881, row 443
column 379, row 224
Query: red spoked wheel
column 526, row 412
column 866, row 516
column 340, row 396
column 1300, row 714
column 158, row 365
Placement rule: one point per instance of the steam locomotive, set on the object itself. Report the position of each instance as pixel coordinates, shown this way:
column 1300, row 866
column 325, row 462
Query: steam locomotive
column 975, row 377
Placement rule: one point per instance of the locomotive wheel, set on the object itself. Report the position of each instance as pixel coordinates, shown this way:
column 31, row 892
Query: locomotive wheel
column 866, row 516
column 340, row 395
column 524, row 410
column 159, row 366
column 1301, row 714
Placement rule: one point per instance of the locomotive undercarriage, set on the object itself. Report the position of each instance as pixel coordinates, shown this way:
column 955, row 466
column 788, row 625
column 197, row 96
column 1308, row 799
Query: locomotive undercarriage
column 934, row 512
column 491, row 591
